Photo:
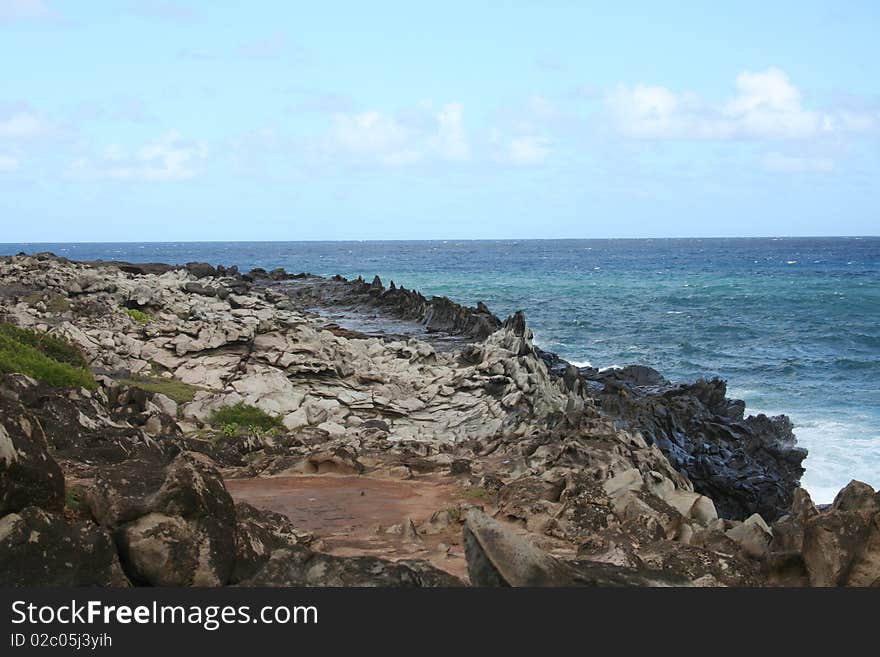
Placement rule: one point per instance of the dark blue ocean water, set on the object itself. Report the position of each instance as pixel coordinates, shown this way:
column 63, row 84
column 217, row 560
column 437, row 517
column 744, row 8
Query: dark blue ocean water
column 792, row 323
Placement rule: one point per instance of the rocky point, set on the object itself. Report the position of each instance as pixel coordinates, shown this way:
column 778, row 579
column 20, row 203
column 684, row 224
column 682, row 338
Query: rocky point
column 446, row 451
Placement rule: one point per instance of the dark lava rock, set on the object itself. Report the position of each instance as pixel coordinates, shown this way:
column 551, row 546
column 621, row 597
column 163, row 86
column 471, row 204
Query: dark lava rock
column 438, row 314
column 299, row 566
column 136, row 268
column 28, row 475
column 201, row 269
column 175, row 525
column 76, row 426
column 197, row 288
column 38, row 548
column 746, row 465
column 258, row 533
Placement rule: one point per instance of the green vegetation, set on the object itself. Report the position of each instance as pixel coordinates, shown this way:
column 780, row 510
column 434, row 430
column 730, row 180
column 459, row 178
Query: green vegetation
column 45, row 357
column 139, row 316
column 231, row 419
column 476, row 493
column 57, row 304
column 178, row 391
column 75, row 506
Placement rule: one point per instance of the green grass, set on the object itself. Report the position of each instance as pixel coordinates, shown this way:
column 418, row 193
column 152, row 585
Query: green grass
column 243, row 415
column 139, row 316
column 180, row 392
column 44, row 357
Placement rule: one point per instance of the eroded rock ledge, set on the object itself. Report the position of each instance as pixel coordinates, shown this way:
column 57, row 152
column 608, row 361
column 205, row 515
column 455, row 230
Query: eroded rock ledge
column 609, row 479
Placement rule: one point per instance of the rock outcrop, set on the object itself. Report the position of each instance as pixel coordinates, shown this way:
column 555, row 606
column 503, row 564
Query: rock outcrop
column 747, row 465
column 542, row 474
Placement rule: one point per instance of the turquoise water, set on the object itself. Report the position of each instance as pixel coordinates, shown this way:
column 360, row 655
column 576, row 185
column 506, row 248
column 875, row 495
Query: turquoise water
column 793, row 324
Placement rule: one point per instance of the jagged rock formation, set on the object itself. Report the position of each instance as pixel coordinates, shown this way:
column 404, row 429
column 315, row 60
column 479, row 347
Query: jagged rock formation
column 746, row 465
column 437, row 314
column 612, row 478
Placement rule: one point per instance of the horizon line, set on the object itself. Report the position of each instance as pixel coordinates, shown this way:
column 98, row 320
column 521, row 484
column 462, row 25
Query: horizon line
column 453, row 239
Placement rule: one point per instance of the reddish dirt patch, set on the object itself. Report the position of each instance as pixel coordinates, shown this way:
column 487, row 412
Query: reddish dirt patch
column 352, row 513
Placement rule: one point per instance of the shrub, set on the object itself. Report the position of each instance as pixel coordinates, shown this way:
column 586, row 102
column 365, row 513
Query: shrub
column 139, row 315
column 45, row 357
column 229, row 418
column 57, row 304
column 53, row 346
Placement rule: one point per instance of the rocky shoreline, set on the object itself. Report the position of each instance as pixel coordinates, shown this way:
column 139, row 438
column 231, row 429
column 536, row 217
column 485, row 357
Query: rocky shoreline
column 411, row 442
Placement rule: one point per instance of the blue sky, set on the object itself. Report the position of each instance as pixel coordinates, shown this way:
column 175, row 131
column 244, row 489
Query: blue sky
column 170, row 120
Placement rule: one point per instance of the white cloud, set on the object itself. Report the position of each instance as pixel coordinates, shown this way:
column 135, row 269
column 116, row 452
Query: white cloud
column 525, row 151
column 451, row 140
column 8, row 163
column 372, row 135
column 27, row 10
column 21, row 125
column 168, row 158
column 765, row 105
column 396, row 141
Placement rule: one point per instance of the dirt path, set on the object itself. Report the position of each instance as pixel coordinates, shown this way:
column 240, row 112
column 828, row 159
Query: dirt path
column 353, row 514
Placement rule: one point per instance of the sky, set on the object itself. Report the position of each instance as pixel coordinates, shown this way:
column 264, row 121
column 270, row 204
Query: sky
column 165, row 120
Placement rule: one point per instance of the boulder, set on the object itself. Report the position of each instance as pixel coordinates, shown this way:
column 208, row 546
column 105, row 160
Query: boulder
column 161, row 550
column 258, row 533
column 496, row 556
column 28, row 475
column 753, row 535
column 300, row 566
column 175, row 523
column 39, row 548
column 201, row 269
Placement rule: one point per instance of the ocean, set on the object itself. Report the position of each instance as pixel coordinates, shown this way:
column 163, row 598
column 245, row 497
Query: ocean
column 793, row 324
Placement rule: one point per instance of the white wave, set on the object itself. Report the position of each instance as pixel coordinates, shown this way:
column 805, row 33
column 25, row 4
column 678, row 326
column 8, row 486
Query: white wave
column 581, row 363
column 839, row 451
column 610, row 367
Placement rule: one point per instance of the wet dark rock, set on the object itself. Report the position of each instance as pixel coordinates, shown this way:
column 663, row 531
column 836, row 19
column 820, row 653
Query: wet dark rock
column 746, row 465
